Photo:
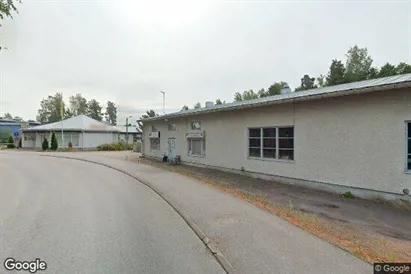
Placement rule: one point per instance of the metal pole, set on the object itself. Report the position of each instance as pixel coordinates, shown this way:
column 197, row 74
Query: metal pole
column 62, row 123
column 164, row 102
column 127, row 130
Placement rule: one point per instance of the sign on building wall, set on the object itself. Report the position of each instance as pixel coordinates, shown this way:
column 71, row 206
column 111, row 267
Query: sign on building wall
column 195, row 134
column 154, row 134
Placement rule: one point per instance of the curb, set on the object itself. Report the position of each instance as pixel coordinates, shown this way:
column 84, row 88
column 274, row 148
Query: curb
column 225, row 264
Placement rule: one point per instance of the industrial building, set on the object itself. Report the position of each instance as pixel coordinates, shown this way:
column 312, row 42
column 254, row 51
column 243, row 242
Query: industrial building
column 351, row 137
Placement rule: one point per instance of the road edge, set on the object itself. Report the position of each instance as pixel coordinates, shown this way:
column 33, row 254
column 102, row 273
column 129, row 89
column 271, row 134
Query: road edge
column 221, row 259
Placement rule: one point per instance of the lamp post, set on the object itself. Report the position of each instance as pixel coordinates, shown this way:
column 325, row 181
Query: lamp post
column 127, row 125
column 1, row 82
column 164, row 101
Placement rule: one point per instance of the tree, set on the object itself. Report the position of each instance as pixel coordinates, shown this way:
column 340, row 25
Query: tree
column 198, row 105
column 51, row 109
column 7, row 7
column 358, row 64
column 111, row 113
column 20, row 143
column 336, row 74
column 68, row 113
column 45, row 144
column 307, row 82
column 275, row 88
column 94, row 110
column 54, row 144
column 247, row 95
column 8, row 116
column 387, row 70
column 184, row 108
column 403, row 68
column 321, row 82
column 10, row 142
column 218, row 102
column 78, row 105
column 262, row 93
column 373, row 73
column 148, row 114
column 238, row 97
column 4, row 136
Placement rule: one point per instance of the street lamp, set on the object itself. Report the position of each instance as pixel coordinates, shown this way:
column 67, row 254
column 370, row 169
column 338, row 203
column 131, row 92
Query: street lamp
column 164, row 101
column 1, row 84
column 127, row 125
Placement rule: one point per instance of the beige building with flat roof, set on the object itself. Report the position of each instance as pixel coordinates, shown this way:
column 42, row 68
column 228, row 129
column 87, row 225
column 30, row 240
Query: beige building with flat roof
column 352, row 137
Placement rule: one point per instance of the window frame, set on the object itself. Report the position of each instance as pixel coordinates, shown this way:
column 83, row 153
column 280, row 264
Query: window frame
column 159, row 144
column 191, row 125
column 277, row 143
column 190, row 145
column 407, row 139
column 172, row 127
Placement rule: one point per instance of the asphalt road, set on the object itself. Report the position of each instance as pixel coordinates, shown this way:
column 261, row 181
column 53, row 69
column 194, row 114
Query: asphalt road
column 84, row 218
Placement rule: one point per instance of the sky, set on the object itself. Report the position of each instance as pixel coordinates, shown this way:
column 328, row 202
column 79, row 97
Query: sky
column 127, row 51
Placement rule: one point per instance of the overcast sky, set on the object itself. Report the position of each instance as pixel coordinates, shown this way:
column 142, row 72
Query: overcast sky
column 127, row 51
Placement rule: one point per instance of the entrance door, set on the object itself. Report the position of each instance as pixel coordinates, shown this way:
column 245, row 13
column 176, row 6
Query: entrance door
column 171, row 148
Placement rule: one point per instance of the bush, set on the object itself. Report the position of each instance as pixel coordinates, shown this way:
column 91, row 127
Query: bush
column 45, row 145
column 20, row 143
column 10, row 142
column 112, row 147
column 348, row 195
column 54, row 145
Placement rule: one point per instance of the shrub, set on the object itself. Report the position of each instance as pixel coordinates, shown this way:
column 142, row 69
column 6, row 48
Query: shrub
column 54, row 145
column 111, row 147
column 45, row 145
column 10, row 142
column 20, row 143
column 348, row 195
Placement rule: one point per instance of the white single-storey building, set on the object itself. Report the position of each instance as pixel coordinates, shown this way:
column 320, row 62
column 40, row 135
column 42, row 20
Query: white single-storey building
column 130, row 133
column 352, row 137
column 82, row 131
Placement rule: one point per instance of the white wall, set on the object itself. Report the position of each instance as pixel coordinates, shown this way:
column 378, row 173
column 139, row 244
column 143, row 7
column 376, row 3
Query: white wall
column 356, row 140
column 92, row 140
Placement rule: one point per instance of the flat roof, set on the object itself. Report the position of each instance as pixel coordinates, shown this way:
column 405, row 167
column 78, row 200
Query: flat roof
column 385, row 83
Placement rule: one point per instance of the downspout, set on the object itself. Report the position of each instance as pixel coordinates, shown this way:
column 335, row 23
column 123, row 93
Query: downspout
column 82, row 140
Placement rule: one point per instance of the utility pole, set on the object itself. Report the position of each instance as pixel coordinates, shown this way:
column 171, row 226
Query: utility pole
column 127, row 128
column 164, row 101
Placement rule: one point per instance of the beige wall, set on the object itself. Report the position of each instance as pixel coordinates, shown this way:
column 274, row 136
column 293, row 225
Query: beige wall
column 356, row 140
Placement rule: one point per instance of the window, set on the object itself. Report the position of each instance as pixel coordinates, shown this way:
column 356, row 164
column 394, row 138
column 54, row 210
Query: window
column 155, row 143
column 196, row 147
column 271, row 143
column 408, row 146
column 154, row 128
column 195, row 125
column 171, row 127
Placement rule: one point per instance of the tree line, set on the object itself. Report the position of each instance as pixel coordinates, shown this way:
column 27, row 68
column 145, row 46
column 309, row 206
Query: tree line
column 54, row 109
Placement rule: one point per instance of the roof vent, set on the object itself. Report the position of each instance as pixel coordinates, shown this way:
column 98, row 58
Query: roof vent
column 286, row 89
column 209, row 104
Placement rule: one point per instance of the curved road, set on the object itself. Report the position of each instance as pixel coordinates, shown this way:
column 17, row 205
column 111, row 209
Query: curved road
column 84, row 218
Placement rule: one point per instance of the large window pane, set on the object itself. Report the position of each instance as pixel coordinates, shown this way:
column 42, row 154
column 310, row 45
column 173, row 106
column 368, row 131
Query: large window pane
column 269, row 143
column 196, row 147
column 409, row 130
column 409, row 146
column 286, row 154
column 269, row 132
column 155, row 143
column 286, row 132
column 286, row 143
column 269, row 153
column 409, row 162
column 254, row 132
column 254, row 152
column 254, row 142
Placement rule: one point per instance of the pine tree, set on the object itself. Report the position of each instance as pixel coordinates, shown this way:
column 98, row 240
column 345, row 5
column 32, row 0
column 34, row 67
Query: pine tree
column 11, row 142
column 45, row 144
column 54, row 144
column 20, row 143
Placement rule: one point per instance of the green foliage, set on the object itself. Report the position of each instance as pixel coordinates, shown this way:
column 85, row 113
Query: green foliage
column 111, row 113
column 403, row 68
column 7, row 7
column 358, row 64
column 94, row 110
column 336, row 74
column 45, row 144
column 184, row 108
column 10, row 142
column 348, row 195
column 247, row 95
column 119, row 146
column 51, row 109
column 8, row 116
column 275, row 88
column 198, row 105
column 219, row 102
column 4, row 136
column 54, row 144
column 78, row 105
column 20, row 143
column 387, row 70
column 307, row 82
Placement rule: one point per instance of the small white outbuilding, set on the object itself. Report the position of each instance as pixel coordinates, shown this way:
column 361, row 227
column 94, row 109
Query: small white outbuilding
column 82, row 131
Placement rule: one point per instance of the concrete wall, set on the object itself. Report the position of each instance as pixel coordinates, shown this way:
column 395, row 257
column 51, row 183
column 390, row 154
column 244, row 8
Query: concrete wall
column 92, row 140
column 352, row 141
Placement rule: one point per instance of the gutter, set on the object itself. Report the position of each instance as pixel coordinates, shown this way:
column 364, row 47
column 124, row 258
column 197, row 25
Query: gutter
column 283, row 101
